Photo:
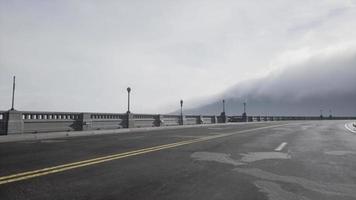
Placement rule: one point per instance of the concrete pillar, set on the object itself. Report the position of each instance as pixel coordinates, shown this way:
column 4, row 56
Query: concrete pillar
column 86, row 121
column 223, row 117
column 181, row 120
column 130, row 122
column 200, row 119
column 215, row 120
column 244, row 117
column 159, row 121
column 15, row 124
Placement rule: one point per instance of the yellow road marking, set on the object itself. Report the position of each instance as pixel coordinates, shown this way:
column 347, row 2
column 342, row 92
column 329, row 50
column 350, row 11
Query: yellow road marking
column 65, row 167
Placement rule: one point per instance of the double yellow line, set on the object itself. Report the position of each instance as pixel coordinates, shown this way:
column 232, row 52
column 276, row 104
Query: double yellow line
column 69, row 166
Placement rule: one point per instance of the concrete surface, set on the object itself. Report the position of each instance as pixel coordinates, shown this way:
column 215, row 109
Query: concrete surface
column 279, row 160
column 54, row 135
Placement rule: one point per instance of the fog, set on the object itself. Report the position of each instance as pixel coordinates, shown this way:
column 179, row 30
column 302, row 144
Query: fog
column 324, row 80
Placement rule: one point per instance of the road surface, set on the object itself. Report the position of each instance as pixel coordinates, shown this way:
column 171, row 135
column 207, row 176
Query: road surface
column 274, row 160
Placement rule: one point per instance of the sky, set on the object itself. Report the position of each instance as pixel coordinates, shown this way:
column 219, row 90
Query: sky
column 81, row 56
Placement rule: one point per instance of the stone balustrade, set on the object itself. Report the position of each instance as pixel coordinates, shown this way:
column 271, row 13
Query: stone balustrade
column 22, row 122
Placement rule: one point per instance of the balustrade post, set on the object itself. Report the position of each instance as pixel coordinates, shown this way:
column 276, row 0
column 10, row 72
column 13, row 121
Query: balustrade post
column 215, row 120
column 182, row 119
column 200, row 119
column 159, row 120
column 130, row 122
column 14, row 122
column 86, row 121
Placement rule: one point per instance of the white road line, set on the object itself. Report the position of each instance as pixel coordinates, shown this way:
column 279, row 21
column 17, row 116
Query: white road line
column 281, row 146
column 350, row 129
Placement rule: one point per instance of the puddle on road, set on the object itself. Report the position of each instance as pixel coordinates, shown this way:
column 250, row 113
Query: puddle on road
column 41, row 141
column 218, row 128
column 52, row 141
column 275, row 192
column 269, row 182
column 187, row 136
column 256, row 156
column 217, row 157
column 132, row 138
column 324, row 188
column 246, row 158
column 281, row 129
column 340, row 153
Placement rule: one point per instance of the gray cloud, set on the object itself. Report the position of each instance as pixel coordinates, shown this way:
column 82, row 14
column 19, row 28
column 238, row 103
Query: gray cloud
column 81, row 55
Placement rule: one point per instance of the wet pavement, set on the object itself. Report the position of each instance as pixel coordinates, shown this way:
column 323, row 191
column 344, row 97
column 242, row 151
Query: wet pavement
column 278, row 160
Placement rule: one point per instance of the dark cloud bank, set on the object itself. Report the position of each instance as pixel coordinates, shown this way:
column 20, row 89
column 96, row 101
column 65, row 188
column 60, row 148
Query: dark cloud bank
column 324, row 81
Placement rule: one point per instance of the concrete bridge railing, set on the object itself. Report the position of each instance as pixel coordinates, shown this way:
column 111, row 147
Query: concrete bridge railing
column 24, row 122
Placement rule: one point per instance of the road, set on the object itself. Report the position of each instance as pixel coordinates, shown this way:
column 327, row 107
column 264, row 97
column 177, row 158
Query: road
column 274, row 160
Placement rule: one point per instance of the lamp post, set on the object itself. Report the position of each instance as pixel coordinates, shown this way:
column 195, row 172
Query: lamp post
column 181, row 112
column 244, row 115
column 321, row 114
column 223, row 106
column 13, row 94
column 128, row 99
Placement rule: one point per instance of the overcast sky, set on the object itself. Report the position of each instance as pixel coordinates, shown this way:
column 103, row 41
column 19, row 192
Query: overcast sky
column 82, row 55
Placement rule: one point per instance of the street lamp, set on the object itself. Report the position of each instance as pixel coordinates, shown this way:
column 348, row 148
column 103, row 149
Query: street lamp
column 13, row 94
column 181, row 111
column 128, row 99
column 223, row 106
column 244, row 114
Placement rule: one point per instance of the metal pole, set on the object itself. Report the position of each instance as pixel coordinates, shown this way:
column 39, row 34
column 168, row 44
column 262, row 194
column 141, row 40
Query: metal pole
column 128, row 99
column 181, row 111
column 13, row 93
column 244, row 107
column 223, row 105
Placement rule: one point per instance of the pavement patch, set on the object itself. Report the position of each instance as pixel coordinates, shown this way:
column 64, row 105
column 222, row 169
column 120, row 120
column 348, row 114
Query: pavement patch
column 323, row 188
column 246, row 157
column 350, row 127
column 185, row 136
column 281, row 129
column 217, row 157
column 256, row 156
column 340, row 153
column 275, row 192
column 218, row 128
column 52, row 141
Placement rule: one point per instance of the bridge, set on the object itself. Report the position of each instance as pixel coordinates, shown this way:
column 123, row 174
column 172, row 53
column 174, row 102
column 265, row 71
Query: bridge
column 25, row 122
column 153, row 156
column 180, row 157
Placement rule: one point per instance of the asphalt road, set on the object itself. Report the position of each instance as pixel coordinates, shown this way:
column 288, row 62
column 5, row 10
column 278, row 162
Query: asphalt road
column 275, row 160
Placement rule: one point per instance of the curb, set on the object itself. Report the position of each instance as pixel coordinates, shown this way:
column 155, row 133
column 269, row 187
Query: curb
column 55, row 135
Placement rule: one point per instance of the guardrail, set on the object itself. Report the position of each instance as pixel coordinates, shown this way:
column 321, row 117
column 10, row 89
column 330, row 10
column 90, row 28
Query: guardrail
column 20, row 122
